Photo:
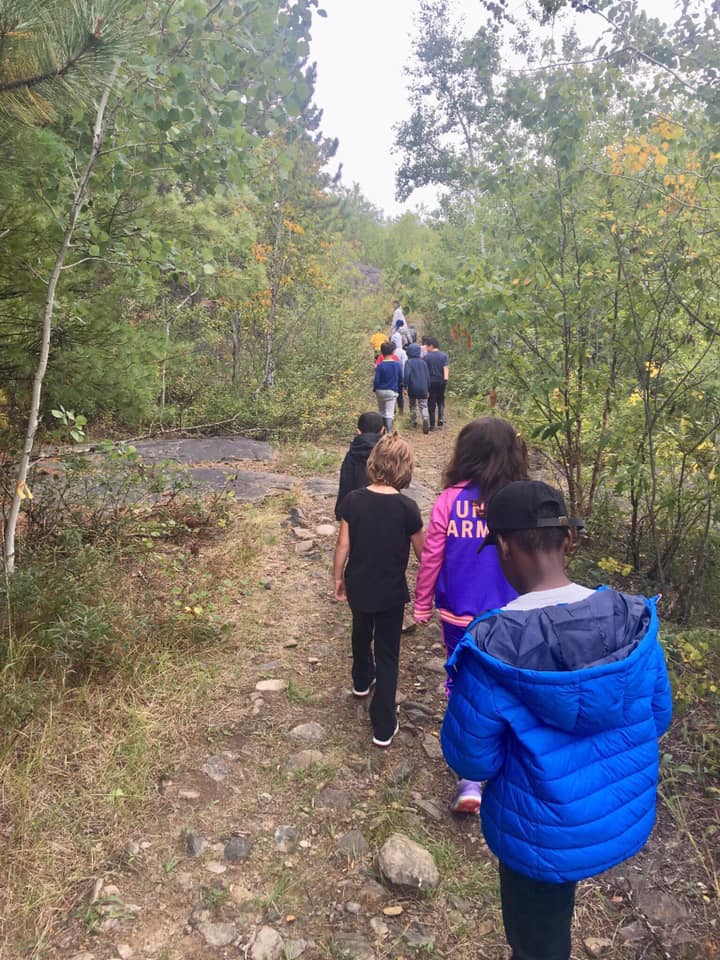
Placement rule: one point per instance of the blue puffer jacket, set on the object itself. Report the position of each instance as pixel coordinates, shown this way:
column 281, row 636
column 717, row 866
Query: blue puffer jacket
column 560, row 710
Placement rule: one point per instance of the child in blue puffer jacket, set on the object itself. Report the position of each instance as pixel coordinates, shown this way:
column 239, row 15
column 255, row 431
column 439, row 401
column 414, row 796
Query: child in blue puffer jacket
column 558, row 702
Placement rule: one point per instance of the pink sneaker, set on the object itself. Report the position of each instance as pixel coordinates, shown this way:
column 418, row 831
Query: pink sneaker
column 468, row 797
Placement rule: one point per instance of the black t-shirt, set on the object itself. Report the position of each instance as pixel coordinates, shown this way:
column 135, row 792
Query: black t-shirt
column 381, row 525
column 436, row 361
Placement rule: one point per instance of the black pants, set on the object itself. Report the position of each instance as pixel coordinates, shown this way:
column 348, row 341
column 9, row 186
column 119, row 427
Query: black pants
column 400, row 403
column 385, row 629
column 436, row 399
column 536, row 915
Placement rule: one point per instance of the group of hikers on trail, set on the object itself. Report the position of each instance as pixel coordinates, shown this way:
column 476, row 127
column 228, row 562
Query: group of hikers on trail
column 557, row 693
column 404, row 366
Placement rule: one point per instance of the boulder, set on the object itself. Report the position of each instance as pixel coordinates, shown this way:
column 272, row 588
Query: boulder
column 218, row 934
column 597, row 946
column 349, row 946
column 195, row 844
column 286, row 839
column 309, row 732
column 432, row 747
column 407, row 865
column 332, row 799
column 237, row 848
column 302, row 760
column 275, row 685
column 268, row 945
column 216, row 769
column 325, row 530
column 353, row 844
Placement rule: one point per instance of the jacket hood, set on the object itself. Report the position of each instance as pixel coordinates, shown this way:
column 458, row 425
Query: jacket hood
column 413, row 351
column 361, row 446
column 570, row 663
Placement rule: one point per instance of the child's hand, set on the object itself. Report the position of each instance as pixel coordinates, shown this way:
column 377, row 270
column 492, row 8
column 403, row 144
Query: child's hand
column 340, row 592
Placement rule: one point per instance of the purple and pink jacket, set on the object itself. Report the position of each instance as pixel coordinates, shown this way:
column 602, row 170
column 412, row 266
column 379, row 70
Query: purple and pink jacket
column 465, row 583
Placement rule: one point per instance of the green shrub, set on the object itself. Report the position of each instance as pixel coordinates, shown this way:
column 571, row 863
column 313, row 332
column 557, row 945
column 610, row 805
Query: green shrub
column 56, row 616
column 301, row 405
column 71, row 609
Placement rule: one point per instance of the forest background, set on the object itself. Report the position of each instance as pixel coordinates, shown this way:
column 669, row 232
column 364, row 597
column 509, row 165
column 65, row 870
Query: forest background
column 176, row 256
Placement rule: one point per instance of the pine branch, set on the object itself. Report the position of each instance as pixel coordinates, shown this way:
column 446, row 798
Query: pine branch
column 56, row 51
column 26, row 83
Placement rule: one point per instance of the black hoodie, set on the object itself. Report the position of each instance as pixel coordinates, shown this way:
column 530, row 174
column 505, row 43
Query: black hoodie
column 353, row 472
column 417, row 375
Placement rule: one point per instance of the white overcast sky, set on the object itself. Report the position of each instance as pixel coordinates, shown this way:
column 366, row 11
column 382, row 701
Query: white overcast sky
column 361, row 50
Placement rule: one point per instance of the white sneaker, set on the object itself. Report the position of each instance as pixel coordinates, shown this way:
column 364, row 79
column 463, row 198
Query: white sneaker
column 386, row 743
column 363, row 693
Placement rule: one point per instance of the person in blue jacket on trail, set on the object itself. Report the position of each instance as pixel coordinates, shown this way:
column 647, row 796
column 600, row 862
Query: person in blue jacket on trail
column 558, row 702
column 387, row 384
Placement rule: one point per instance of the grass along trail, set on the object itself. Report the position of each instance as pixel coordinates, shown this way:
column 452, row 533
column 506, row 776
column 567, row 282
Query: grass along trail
column 228, row 803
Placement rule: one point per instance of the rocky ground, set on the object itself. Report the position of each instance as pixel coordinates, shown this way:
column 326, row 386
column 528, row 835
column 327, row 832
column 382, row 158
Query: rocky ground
column 282, row 833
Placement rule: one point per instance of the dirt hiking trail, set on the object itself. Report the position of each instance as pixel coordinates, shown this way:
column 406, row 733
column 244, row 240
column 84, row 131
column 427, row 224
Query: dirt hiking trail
column 263, row 836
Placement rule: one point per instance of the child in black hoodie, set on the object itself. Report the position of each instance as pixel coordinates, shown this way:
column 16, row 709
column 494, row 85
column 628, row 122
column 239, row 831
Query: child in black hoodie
column 353, row 470
column 416, row 379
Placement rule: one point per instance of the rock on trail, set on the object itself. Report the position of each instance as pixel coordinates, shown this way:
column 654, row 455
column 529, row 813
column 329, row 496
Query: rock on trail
column 268, row 945
column 302, row 760
column 204, row 450
column 407, row 865
column 309, row 732
column 218, row 934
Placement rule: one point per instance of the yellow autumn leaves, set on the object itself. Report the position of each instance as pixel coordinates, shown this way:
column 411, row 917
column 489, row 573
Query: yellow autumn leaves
column 634, row 156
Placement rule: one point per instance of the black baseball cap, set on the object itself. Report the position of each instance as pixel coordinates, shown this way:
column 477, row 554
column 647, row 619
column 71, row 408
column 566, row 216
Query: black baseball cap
column 526, row 505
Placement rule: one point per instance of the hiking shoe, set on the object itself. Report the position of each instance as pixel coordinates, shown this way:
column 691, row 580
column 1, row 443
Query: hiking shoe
column 426, row 426
column 363, row 693
column 468, row 797
column 386, row 743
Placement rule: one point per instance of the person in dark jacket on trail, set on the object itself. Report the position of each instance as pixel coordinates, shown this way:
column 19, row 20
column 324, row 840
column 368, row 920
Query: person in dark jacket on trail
column 416, row 378
column 353, row 472
column 558, row 702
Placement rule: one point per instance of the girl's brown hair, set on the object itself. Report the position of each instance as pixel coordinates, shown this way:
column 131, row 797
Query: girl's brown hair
column 391, row 462
column 490, row 453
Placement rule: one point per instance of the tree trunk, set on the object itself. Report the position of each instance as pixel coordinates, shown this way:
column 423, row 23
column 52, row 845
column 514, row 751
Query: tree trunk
column 163, row 368
column 275, row 278
column 235, row 327
column 78, row 200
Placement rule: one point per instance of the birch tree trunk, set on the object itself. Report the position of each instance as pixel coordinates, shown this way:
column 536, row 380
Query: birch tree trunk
column 275, row 281
column 235, row 329
column 163, row 367
column 78, row 200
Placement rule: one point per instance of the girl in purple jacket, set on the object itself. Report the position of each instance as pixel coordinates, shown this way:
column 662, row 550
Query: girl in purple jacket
column 463, row 583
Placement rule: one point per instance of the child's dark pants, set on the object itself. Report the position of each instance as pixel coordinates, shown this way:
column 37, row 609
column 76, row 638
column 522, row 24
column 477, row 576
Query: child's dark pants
column 537, row 916
column 436, row 400
column 386, row 627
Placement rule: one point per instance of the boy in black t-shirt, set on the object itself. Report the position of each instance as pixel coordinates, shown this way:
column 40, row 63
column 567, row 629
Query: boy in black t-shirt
column 438, row 365
column 377, row 526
